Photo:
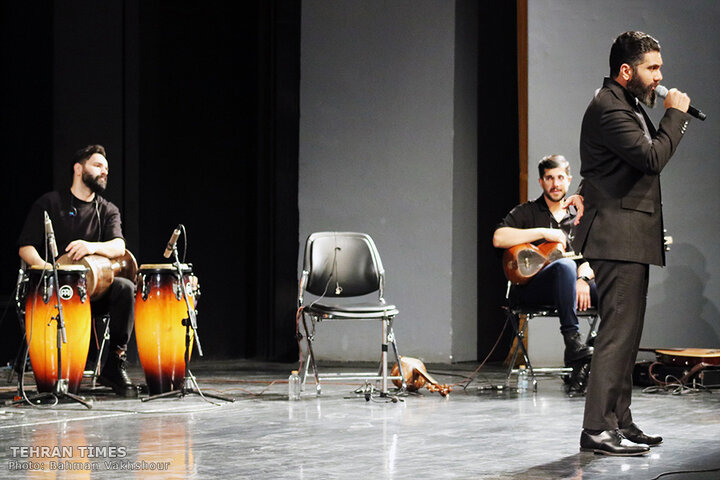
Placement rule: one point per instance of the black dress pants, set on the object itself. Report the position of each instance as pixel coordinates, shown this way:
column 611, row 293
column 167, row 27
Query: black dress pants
column 622, row 287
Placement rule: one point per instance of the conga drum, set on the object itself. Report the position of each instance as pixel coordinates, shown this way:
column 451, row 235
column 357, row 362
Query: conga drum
column 159, row 331
column 42, row 330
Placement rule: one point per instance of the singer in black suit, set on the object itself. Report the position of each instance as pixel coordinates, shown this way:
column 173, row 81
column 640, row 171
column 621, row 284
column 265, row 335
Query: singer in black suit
column 85, row 223
column 621, row 232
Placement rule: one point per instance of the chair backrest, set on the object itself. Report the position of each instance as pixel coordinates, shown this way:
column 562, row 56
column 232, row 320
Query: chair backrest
column 342, row 264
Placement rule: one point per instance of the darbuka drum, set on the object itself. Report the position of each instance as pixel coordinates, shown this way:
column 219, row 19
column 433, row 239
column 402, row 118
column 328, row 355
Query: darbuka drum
column 41, row 328
column 159, row 331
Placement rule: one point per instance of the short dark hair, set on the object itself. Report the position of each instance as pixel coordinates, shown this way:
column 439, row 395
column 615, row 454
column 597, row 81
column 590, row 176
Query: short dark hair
column 82, row 155
column 553, row 161
column 630, row 48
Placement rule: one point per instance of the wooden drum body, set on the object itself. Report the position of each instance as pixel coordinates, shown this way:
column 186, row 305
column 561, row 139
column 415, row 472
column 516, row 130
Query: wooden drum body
column 41, row 328
column 159, row 331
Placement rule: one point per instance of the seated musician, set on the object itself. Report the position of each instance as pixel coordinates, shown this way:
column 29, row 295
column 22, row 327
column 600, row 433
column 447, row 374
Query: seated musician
column 84, row 224
column 563, row 284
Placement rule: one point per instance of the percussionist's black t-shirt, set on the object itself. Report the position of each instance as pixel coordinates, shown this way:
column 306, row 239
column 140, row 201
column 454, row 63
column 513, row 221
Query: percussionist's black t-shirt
column 72, row 219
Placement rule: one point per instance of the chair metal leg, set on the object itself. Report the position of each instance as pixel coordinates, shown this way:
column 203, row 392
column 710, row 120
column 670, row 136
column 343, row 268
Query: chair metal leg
column 593, row 321
column 520, row 337
column 382, row 375
column 383, row 357
column 393, row 342
column 310, row 358
column 514, row 322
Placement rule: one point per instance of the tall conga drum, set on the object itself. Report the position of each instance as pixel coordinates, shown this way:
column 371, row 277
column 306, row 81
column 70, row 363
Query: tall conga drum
column 41, row 328
column 159, row 331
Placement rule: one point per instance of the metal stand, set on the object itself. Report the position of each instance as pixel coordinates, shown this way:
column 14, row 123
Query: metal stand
column 20, row 311
column 95, row 373
column 189, row 385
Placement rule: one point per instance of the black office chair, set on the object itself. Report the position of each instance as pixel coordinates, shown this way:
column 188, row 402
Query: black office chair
column 519, row 316
column 345, row 265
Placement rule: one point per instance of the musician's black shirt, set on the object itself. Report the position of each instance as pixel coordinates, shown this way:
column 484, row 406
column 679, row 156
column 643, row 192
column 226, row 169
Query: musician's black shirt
column 72, row 219
column 536, row 214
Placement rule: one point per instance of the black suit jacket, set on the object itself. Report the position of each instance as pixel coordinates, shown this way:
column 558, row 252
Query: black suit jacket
column 620, row 166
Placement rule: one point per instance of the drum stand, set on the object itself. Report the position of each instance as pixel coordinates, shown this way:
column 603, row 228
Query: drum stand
column 189, row 384
column 61, row 386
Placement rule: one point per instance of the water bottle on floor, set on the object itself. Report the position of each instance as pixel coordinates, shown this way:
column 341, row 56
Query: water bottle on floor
column 523, row 379
column 294, row 386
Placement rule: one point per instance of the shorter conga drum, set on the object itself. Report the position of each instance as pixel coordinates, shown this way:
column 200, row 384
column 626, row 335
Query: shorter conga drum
column 41, row 326
column 160, row 309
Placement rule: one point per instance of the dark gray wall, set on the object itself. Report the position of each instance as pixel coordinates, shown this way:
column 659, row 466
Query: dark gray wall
column 569, row 44
column 383, row 150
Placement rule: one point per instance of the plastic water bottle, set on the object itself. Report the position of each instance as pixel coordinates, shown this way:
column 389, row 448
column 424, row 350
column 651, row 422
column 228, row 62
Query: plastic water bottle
column 294, row 386
column 522, row 381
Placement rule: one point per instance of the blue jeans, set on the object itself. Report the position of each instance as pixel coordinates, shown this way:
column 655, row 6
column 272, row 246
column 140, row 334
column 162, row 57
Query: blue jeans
column 555, row 286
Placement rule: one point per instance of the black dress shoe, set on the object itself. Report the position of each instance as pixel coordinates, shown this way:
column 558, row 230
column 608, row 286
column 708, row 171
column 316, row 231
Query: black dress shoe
column 634, row 434
column 114, row 375
column 611, row 442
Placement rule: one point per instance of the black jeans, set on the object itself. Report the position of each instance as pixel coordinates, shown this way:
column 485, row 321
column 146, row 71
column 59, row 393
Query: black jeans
column 119, row 303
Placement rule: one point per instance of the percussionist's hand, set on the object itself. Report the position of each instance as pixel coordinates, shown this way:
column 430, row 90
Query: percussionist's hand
column 77, row 249
column 576, row 200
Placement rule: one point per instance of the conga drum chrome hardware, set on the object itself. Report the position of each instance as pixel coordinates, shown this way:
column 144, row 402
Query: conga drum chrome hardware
column 42, row 330
column 159, row 329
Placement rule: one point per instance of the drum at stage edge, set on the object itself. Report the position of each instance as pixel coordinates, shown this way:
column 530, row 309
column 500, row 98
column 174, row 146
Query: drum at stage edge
column 159, row 331
column 42, row 330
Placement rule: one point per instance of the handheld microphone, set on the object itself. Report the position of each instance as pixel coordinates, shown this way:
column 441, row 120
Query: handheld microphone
column 50, row 235
column 172, row 242
column 662, row 92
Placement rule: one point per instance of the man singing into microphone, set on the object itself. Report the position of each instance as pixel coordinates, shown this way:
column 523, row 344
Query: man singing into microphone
column 85, row 224
column 621, row 232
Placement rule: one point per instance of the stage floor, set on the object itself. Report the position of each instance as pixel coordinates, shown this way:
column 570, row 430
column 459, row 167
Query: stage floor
column 475, row 433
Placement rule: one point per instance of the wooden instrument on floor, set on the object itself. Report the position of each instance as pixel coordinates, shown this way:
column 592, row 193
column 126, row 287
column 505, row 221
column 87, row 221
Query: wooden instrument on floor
column 524, row 261
column 686, row 357
column 102, row 270
column 416, row 376
column 689, row 360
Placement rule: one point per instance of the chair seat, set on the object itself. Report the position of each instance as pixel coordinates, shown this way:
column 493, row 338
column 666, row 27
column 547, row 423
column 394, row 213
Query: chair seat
column 352, row 310
column 535, row 310
column 550, row 310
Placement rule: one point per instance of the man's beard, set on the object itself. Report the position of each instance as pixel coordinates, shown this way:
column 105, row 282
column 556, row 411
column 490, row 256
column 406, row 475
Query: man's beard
column 549, row 197
column 93, row 183
column 646, row 94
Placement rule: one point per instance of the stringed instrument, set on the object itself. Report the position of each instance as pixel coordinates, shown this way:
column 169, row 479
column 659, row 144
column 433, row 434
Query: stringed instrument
column 690, row 360
column 687, row 357
column 524, row 261
column 102, row 270
column 416, row 377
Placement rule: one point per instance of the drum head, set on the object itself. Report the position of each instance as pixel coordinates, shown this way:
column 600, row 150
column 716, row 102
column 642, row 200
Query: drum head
column 61, row 268
column 164, row 268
